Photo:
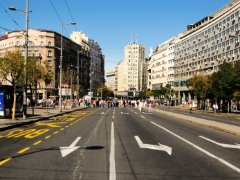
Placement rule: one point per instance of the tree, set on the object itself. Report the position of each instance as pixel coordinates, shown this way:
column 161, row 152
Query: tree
column 149, row 93
column 11, row 70
column 236, row 79
column 36, row 72
column 105, row 91
column 200, row 86
column 223, row 83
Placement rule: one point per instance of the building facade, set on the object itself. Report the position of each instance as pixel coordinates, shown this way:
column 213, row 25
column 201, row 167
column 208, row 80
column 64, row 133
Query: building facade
column 161, row 65
column 205, row 45
column 110, row 80
column 45, row 46
column 97, row 59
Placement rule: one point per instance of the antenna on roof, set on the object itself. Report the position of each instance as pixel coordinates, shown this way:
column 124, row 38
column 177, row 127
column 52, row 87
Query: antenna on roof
column 136, row 36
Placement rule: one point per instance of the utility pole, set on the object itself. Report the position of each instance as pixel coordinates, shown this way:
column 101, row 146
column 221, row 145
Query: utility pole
column 25, row 57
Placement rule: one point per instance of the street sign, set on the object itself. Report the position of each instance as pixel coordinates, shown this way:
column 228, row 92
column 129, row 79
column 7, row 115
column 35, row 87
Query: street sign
column 2, row 104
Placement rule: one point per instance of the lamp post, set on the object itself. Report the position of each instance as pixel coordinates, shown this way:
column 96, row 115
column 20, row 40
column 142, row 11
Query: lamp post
column 91, row 83
column 25, row 57
column 78, row 84
column 61, row 61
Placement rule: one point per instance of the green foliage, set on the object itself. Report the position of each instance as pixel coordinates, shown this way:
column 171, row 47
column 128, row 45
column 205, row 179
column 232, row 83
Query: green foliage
column 11, row 66
column 236, row 81
column 105, row 91
column 200, row 86
column 149, row 93
column 35, row 71
column 47, row 78
column 223, row 81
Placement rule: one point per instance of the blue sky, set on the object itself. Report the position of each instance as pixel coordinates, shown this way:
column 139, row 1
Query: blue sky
column 112, row 23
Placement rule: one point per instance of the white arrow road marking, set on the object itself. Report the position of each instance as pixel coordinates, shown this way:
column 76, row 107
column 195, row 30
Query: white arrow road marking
column 124, row 113
column 237, row 146
column 146, row 113
column 102, row 113
column 67, row 150
column 200, row 149
column 159, row 147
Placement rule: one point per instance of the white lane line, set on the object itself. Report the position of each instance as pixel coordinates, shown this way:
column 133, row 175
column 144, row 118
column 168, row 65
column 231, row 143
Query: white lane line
column 200, row 149
column 112, row 175
column 143, row 117
column 113, row 116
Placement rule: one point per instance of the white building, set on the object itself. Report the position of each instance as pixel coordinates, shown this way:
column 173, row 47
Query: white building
column 131, row 74
column 161, row 65
column 205, row 45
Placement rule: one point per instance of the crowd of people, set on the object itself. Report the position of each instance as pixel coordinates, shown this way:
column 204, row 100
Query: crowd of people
column 119, row 102
column 101, row 103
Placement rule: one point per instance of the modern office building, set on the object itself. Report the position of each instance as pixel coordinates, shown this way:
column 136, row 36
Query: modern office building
column 45, row 46
column 205, row 45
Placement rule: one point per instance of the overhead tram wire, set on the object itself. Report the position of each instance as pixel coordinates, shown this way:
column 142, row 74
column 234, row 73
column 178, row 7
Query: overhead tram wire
column 55, row 10
column 14, row 21
column 69, row 11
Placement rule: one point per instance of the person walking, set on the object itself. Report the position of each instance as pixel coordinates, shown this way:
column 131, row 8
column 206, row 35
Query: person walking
column 150, row 106
column 190, row 108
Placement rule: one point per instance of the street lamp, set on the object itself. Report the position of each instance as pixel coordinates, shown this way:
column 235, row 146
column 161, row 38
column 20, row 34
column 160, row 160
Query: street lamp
column 78, row 84
column 61, row 59
column 91, row 83
column 25, row 57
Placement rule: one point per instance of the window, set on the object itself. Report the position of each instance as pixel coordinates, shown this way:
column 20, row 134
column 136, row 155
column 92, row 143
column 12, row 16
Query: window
column 49, row 53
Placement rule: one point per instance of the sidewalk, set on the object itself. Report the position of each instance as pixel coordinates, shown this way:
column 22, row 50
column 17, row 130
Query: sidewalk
column 212, row 124
column 40, row 113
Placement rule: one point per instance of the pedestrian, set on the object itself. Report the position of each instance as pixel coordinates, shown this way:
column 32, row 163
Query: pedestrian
column 140, row 106
column 214, row 108
column 150, row 106
column 190, row 108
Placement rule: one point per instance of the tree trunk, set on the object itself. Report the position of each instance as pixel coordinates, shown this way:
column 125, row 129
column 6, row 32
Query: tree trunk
column 14, row 101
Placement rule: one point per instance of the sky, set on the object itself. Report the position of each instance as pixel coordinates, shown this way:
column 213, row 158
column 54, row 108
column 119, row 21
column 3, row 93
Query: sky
column 112, row 23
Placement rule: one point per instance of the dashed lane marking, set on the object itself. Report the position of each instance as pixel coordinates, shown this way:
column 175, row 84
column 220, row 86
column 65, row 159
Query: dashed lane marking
column 47, row 137
column 4, row 161
column 23, row 150
column 56, row 132
column 36, row 143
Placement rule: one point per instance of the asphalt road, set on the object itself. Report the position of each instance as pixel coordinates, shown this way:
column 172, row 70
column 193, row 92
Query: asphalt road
column 121, row 143
column 218, row 117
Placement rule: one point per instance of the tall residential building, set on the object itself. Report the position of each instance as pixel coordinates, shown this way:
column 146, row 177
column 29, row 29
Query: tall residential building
column 96, row 59
column 161, row 65
column 45, row 46
column 130, row 70
column 205, row 45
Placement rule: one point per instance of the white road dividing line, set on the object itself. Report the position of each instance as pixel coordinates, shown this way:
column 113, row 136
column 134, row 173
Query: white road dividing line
column 112, row 170
column 201, row 149
column 143, row 117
